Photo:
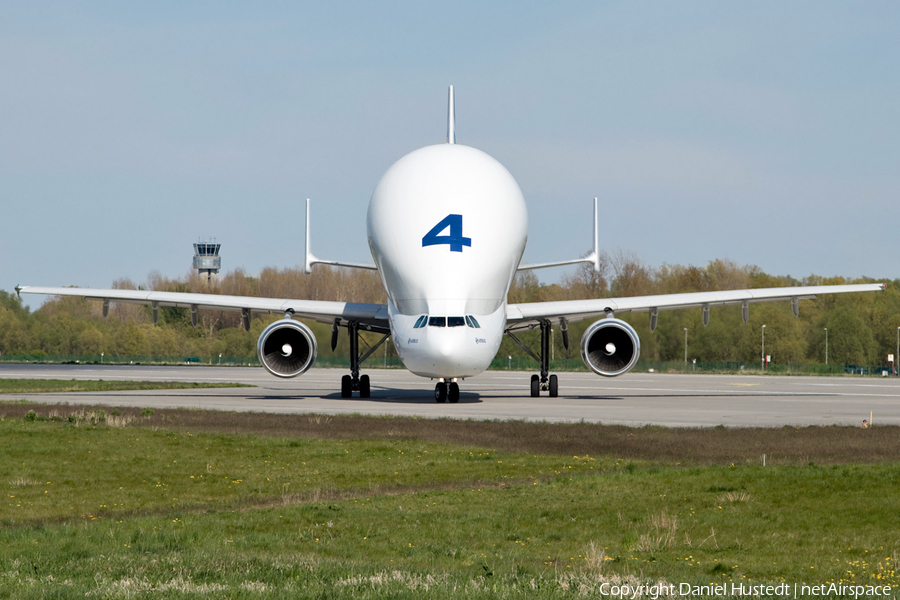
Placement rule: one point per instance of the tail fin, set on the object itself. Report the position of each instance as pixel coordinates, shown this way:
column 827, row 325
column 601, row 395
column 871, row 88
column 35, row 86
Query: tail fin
column 451, row 117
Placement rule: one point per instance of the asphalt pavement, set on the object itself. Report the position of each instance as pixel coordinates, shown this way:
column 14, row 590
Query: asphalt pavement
column 632, row 399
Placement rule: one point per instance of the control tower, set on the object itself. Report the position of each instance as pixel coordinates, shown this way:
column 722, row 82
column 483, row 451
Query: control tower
column 207, row 259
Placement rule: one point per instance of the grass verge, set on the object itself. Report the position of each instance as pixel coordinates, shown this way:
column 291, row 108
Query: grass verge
column 787, row 445
column 41, row 386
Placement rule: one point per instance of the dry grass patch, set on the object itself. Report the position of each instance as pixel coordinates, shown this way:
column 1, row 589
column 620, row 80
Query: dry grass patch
column 594, row 556
column 22, row 482
column 739, row 496
column 662, row 534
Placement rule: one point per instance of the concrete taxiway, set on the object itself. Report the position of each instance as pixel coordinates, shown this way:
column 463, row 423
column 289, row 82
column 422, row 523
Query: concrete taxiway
column 632, row 399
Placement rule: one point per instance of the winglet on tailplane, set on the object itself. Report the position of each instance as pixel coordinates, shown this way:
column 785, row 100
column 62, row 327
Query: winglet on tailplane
column 312, row 259
column 593, row 256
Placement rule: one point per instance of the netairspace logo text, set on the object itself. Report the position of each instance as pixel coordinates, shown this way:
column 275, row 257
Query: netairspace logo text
column 785, row 590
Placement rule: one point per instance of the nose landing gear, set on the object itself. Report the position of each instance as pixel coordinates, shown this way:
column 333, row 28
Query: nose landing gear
column 446, row 391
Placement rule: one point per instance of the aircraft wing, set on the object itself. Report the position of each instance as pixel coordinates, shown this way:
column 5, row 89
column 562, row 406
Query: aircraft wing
column 374, row 316
column 526, row 315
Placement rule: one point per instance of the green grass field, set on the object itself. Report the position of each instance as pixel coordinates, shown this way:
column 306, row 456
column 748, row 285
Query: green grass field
column 41, row 386
column 157, row 505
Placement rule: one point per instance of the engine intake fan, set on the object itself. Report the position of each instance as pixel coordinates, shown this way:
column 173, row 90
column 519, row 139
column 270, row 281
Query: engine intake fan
column 610, row 347
column 287, row 348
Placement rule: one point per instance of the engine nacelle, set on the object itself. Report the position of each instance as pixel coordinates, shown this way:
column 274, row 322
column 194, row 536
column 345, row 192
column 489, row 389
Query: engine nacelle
column 610, row 347
column 287, row 348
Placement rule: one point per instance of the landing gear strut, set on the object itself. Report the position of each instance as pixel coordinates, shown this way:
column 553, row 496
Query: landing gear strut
column 354, row 382
column 544, row 381
column 446, row 391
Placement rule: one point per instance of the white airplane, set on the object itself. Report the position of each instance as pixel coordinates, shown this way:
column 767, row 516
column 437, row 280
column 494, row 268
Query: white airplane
column 447, row 226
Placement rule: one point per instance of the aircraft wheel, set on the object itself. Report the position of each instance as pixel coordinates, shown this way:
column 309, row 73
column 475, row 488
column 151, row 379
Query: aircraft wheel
column 346, row 387
column 554, row 386
column 535, row 386
column 453, row 393
column 364, row 389
column 440, row 392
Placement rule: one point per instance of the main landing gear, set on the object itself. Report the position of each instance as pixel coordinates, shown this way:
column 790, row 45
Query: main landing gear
column 544, row 382
column 444, row 391
column 354, row 382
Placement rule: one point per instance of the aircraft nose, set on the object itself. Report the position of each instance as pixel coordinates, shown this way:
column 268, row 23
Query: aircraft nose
column 448, row 352
column 446, row 348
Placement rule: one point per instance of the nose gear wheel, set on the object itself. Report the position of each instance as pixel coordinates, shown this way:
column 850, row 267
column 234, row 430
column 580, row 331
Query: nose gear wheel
column 440, row 392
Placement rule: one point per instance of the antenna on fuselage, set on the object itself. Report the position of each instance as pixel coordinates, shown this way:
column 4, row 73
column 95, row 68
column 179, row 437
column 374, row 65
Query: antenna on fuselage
column 451, row 118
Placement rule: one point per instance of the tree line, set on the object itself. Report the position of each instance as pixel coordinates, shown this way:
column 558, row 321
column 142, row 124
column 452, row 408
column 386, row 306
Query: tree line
column 862, row 328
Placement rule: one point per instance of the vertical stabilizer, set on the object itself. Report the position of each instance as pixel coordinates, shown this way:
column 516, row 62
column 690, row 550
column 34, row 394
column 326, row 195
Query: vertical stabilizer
column 451, row 117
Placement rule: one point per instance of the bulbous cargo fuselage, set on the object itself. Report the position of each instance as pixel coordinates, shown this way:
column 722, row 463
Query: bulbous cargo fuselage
column 447, row 226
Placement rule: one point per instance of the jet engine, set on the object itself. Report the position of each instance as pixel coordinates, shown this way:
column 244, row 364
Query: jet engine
column 287, row 348
column 610, row 347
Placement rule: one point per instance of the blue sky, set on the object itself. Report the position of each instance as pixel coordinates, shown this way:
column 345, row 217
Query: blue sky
column 765, row 132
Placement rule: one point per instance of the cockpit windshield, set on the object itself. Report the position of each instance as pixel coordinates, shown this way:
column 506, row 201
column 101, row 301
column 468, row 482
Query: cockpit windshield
column 467, row 321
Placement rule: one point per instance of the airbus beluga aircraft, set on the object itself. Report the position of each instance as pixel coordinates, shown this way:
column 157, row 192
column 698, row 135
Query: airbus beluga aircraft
column 447, row 226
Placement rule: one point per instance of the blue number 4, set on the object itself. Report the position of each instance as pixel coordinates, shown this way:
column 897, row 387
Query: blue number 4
column 455, row 239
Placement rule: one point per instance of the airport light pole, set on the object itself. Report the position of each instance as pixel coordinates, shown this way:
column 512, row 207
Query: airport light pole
column 897, row 356
column 685, row 349
column 826, row 345
column 764, row 347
